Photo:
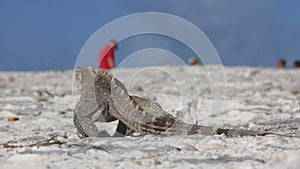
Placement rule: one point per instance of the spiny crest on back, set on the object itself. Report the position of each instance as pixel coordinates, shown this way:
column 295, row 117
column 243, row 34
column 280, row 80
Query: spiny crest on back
column 104, row 74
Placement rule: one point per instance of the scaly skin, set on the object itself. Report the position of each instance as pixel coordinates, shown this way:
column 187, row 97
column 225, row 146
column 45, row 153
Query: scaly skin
column 104, row 98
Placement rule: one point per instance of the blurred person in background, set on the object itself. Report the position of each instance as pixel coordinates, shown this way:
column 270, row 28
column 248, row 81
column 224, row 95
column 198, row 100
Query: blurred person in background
column 106, row 58
column 281, row 64
column 296, row 64
column 193, row 61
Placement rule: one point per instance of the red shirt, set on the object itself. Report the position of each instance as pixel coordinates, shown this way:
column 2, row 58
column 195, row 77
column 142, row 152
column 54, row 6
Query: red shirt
column 105, row 53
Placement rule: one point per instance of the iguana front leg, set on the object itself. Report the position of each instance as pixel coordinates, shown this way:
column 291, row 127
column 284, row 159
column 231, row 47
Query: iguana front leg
column 86, row 127
column 85, row 122
column 87, row 112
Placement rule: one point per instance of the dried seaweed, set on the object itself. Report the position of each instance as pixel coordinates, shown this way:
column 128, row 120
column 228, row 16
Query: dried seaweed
column 48, row 142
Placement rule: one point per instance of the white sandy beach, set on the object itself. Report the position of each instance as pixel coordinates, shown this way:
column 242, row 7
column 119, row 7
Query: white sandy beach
column 255, row 98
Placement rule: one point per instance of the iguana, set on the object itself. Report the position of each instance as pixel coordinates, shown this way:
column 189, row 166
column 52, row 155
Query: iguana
column 105, row 99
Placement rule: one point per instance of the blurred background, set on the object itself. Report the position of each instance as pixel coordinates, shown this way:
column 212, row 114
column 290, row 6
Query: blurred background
column 48, row 35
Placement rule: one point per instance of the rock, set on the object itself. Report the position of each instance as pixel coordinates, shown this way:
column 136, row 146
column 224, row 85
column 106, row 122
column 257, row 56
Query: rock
column 42, row 95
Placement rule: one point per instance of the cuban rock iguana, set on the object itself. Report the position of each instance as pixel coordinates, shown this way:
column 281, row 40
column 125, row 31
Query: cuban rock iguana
column 105, row 99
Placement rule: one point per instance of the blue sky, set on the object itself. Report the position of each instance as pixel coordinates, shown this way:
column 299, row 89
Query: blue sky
column 48, row 35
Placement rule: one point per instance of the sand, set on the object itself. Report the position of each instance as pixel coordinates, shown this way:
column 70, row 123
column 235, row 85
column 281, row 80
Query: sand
column 42, row 103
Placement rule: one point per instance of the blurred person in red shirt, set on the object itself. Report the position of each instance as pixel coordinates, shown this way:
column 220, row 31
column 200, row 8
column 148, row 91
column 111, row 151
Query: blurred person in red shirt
column 106, row 58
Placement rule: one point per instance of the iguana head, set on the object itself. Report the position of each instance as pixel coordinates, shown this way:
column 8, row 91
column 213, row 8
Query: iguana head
column 84, row 77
